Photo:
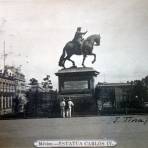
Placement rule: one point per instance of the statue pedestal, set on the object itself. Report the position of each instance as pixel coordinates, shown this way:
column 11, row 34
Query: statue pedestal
column 78, row 85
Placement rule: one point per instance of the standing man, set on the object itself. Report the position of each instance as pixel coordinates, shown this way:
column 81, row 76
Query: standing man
column 70, row 105
column 78, row 38
column 62, row 106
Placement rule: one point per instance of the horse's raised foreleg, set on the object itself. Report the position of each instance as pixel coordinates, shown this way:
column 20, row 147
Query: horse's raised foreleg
column 84, row 57
column 94, row 57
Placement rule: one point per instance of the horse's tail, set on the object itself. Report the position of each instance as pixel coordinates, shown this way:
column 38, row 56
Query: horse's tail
column 62, row 57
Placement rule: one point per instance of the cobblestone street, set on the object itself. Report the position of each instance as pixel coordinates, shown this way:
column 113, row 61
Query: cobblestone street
column 131, row 132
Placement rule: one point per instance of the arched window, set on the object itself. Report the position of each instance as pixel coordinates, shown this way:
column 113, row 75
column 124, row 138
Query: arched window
column 4, row 102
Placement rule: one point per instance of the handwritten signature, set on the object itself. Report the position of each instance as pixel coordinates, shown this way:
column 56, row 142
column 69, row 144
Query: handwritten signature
column 130, row 119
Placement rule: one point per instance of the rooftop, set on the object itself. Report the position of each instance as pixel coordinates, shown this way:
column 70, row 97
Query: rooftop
column 113, row 84
column 8, row 77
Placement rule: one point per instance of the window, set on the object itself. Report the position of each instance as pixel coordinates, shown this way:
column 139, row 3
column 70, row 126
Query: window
column 4, row 103
column 10, row 102
column 0, row 102
column 7, row 105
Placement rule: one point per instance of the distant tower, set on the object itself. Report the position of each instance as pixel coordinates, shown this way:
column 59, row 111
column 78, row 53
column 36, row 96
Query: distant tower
column 4, row 55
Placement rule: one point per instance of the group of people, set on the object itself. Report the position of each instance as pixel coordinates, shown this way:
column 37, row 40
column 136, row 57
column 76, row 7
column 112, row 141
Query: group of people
column 66, row 108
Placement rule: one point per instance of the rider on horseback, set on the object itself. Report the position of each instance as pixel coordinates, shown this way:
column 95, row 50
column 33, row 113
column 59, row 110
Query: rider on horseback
column 78, row 38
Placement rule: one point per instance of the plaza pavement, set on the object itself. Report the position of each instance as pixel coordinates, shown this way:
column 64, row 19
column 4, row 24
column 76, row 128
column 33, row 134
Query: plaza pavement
column 127, row 132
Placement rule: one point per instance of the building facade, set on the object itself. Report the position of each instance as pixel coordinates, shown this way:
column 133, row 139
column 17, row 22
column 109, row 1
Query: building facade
column 7, row 94
column 20, row 87
column 112, row 96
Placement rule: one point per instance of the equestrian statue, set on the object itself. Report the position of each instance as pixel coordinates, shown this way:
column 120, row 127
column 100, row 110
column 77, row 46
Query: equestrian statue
column 79, row 46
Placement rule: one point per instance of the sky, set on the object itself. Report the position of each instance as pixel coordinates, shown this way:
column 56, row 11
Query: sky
column 35, row 32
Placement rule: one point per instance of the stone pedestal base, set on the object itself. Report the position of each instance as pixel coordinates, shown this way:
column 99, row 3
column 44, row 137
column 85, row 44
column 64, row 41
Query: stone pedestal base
column 77, row 84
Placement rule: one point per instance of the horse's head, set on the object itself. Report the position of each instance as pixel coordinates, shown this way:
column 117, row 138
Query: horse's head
column 97, row 39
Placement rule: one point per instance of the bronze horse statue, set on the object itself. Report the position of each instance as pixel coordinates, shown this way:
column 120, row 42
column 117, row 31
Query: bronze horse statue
column 86, row 49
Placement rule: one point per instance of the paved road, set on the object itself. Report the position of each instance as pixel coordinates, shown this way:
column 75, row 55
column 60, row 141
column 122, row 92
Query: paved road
column 127, row 132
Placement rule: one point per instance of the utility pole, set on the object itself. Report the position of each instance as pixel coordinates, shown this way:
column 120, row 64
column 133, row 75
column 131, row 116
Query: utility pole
column 4, row 54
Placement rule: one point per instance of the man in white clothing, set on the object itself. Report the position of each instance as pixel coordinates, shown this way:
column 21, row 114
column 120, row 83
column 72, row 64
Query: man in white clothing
column 70, row 105
column 62, row 106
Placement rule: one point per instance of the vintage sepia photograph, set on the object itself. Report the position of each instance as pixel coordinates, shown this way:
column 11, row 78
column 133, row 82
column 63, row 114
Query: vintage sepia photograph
column 73, row 73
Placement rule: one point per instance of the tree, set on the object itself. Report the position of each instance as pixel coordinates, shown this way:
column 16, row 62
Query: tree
column 138, row 93
column 33, row 81
column 33, row 97
column 47, row 85
column 145, row 83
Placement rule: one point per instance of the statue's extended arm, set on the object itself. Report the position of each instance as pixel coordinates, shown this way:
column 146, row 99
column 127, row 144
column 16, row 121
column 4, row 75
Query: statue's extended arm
column 84, row 32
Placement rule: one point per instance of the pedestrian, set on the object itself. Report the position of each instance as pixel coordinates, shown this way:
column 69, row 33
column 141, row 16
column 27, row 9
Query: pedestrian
column 67, row 108
column 62, row 106
column 70, row 105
